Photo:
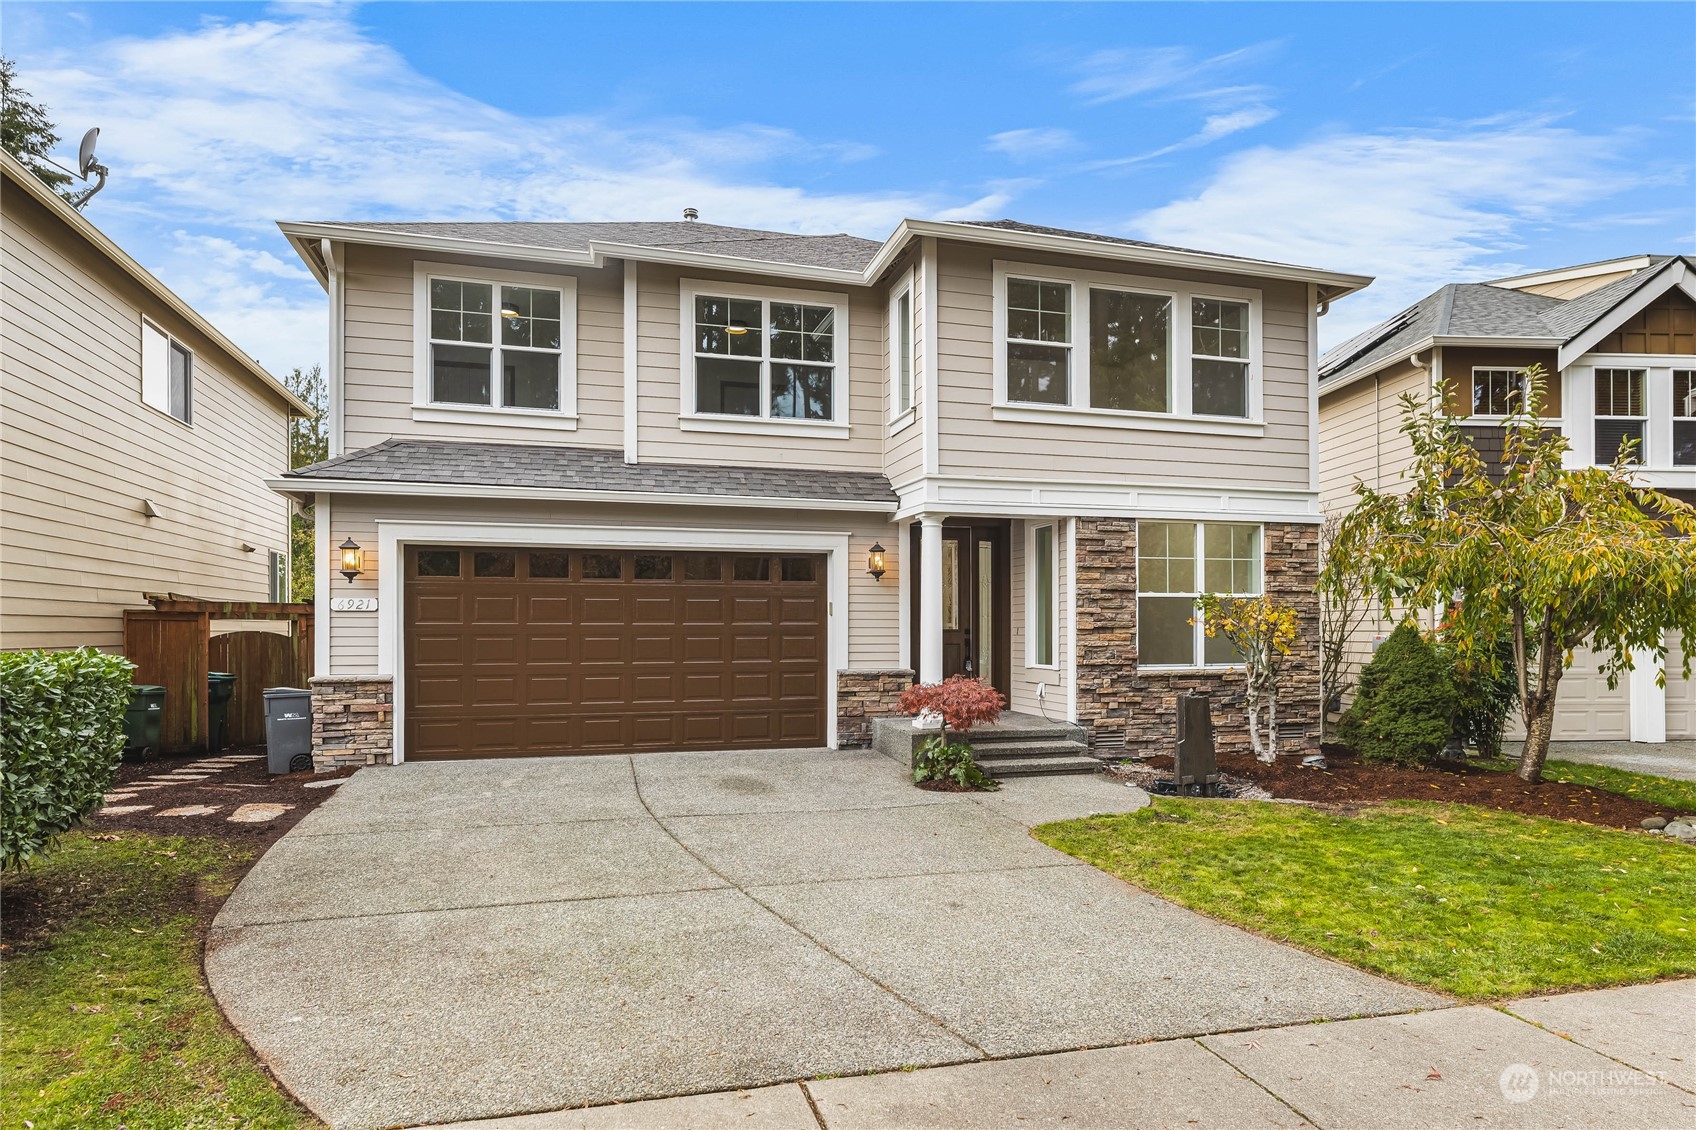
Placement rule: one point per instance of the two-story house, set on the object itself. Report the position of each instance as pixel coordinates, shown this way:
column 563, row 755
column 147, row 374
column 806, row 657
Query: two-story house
column 628, row 486
column 137, row 438
column 1617, row 340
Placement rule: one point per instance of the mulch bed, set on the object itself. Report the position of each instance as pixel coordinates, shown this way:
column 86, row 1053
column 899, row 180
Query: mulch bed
column 1349, row 782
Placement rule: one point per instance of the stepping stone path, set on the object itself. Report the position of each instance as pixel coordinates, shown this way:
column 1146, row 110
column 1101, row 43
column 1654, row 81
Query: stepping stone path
column 121, row 809
column 191, row 810
column 323, row 784
column 257, row 813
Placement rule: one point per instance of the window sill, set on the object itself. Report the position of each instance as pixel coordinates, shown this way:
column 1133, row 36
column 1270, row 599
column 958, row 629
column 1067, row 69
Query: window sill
column 494, row 417
column 171, row 416
column 763, row 426
column 903, row 421
column 1129, row 421
column 1207, row 669
column 1042, row 666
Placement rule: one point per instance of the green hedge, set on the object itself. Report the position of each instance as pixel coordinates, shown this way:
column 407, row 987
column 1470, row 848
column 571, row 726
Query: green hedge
column 61, row 739
column 1404, row 707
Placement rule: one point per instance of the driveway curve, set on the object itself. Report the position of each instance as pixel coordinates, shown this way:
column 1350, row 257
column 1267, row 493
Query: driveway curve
column 455, row 940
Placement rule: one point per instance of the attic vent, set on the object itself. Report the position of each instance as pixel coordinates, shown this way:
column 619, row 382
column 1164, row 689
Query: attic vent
column 690, row 215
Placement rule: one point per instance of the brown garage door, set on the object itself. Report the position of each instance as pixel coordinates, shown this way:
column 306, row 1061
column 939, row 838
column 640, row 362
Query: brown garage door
column 514, row 652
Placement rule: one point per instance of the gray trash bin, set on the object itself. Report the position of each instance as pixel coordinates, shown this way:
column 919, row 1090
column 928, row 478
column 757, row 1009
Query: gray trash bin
column 288, row 730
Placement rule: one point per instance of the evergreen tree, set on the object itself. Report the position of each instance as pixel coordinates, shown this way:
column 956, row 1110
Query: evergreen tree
column 26, row 132
column 1404, row 710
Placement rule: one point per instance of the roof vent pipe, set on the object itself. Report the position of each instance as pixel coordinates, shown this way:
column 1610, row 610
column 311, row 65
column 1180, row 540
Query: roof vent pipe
column 690, row 215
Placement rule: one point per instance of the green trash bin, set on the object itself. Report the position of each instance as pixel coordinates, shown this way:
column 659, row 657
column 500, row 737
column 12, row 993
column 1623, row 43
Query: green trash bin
column 220, row 686
column 141, row 721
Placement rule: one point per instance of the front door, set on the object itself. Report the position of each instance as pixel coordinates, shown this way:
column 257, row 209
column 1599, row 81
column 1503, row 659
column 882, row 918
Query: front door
column 976, row 606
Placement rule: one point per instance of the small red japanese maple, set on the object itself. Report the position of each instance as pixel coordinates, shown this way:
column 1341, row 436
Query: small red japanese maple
column 961, row 702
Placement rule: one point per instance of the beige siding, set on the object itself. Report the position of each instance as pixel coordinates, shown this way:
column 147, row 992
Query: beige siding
column 380, row 355
column 873, row 606
column 1360, row 435
column 973, row 443
column 904, row 452
column 1569, row 289
column 81, row 451
column 661, row 439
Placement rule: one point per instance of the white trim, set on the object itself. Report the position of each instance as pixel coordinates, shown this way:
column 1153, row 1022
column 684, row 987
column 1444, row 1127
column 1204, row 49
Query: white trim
column 1198, row 631
column 484, row 417
column 1179, row 294
column 1022, row 413
column 393, row 536
column 1069, row 628
column 904, row 593
column 321, row 576
column 1031, row 641
column 1648, row 698
column 565, row 494
column 932, row 297
column 837, row 427
column 159, row 399
column 902, row 422
column 335, row 272
column 1472, row 389
column 1672, row 274
column 632, row 362
column 563, row 418
column 930, row 599
column 981, row 496
column 1313, row 387
column 1567, row 274
column 902, row 288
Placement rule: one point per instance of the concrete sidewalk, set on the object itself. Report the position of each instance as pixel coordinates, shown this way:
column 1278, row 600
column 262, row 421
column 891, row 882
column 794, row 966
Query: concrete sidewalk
column 1613, row 1059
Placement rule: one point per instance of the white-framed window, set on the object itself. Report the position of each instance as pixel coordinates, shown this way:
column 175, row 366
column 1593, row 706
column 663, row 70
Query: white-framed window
column 1497, row 392
column 763, row 356
column 1042, row 596
column 1176, row 563
column 277, row 577
column 167, row 373
column 1619, row 412
column 1684, row 417
column 901, row 358
column 495, row 344
column 1121, row 346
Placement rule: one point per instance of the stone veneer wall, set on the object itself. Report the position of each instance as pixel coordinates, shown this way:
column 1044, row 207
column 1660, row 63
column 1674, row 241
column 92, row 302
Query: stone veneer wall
column 352, row 721
column 1136, row 711
column 862, row 696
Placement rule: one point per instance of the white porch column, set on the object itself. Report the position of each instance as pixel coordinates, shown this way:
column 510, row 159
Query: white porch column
column 1648, row 701
column 930, row 599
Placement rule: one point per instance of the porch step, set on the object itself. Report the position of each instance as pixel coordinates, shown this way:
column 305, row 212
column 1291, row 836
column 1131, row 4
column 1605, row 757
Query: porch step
column 1005, row 750
column 1001, row 768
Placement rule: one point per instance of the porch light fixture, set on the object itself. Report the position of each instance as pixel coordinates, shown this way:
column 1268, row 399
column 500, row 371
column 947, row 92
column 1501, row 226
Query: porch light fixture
column 353, row 559
column 874, row 562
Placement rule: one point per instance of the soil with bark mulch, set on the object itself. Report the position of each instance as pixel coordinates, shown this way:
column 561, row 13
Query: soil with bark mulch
column 1349, row 782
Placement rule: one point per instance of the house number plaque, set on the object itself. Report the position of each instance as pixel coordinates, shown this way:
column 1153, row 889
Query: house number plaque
column 353, row 604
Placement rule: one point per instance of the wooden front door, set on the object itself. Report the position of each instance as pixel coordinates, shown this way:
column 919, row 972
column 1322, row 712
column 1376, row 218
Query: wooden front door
column 976, row 601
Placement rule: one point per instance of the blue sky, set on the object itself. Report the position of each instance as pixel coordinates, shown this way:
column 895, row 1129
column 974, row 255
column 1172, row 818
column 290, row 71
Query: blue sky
column 1419, row 143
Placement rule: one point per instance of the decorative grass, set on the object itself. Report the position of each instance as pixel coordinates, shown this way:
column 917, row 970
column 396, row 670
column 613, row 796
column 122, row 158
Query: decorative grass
column 107, row 1022
column 1468, row 901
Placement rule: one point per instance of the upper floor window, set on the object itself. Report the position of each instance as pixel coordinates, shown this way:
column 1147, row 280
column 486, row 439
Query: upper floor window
column 1684, row 417
column 901, row 352
column 1177, row 562
column 496, row 341
column 1497, row 392
column 766, row 355
column 1619, row 413
column 1108, row 343
column 167, row 374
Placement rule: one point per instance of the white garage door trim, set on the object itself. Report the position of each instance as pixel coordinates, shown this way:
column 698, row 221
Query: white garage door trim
column 393, row 537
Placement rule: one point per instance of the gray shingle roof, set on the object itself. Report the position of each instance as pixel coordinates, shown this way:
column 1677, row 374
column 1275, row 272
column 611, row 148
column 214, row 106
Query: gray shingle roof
column 845, row 252
column 1481, row 310
column 588, row 469
column 1039, row 229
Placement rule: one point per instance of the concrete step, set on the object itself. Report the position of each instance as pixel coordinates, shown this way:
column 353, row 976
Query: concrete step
column 998, row 751
column 997, row 735
column 1038, row 766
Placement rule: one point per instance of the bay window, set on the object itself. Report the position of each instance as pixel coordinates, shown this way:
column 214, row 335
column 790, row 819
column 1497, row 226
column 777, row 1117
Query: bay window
column 1619, row 413
column 1108, row 344
column 763, row 357
column 1176, row 563
column 502, row 343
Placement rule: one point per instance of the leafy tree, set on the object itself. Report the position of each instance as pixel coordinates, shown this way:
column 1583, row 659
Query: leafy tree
column 1343, row 610
column 26, row 132
column 1262, row 631
column 309, row 442
column 958, row 703
column 1404, row 710
column 1541, row 555
column 1486, row 691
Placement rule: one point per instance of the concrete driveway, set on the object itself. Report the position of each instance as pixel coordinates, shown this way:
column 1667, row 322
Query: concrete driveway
column 456, row 940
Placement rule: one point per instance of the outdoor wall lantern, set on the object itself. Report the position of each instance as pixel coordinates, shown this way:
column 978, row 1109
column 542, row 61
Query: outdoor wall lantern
column 874, row 562
column 353, row 559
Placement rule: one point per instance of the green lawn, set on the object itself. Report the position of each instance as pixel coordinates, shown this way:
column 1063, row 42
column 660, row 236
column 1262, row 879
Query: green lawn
column 1468, row 901
column 107, row 1022
column 1644, row 786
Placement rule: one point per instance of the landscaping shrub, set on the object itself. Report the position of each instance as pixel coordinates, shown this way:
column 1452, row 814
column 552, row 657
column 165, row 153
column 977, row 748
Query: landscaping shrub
column 1404, row 709
column 61, row 738
column 1485, row 696
column 937, row 760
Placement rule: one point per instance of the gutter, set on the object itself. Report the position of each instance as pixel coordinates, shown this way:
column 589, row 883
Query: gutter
column 303, row 488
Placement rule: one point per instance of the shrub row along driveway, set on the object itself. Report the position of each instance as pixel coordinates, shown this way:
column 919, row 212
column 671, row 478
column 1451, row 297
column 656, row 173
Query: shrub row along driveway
column 453, row 940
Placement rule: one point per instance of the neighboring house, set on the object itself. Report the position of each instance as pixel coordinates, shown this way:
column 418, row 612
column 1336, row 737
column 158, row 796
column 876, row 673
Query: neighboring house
column 627, row 486
column 137, row 438
column 1618, row 342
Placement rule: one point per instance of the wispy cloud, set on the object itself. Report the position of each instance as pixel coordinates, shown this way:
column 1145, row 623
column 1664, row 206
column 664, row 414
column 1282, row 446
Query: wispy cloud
column 1031, row 144
column 300, row 115
column 1417, row 207
column 1215, row 126
column 1111, row 75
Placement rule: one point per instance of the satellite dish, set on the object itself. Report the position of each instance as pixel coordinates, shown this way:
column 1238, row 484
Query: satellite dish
column 86, row 164
column 85, row 153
